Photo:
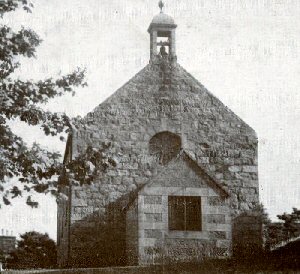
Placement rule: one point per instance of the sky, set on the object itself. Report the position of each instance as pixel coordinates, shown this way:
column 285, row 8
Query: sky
column 246, row 52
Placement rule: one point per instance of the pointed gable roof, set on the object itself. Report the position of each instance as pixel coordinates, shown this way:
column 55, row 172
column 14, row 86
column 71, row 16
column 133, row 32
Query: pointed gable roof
column 146, row 85
column 193, row 165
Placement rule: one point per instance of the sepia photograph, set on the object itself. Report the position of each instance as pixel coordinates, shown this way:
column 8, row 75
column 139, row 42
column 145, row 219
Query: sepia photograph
column 148, row 136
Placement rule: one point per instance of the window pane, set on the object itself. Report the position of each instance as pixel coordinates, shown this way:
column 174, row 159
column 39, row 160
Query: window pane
column 176, row 213
column 184, row 213
column 193, row 213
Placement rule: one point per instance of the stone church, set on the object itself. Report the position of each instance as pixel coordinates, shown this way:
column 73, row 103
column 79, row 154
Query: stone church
column 185, row 186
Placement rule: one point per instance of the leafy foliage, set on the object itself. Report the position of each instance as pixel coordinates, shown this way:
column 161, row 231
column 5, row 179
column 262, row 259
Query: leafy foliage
column 36, row 168
column 262, row 213
column 282, row 231
column 35, row 250
column 89, row 165
column 291, row 225
column 11, row 5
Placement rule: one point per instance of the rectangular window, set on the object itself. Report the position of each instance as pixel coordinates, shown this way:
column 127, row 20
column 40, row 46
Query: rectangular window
column 184, row 213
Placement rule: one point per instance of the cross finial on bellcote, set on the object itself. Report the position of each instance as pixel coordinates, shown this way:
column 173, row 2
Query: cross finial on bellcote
column 161, row 5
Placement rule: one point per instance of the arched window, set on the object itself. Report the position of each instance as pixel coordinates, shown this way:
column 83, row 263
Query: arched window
column 165, row 145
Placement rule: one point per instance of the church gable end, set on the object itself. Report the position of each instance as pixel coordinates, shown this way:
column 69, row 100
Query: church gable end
column 161, row 109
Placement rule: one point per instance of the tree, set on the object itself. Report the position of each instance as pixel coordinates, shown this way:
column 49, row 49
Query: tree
column 278, row 232
column 36, row 168
column 291, row 225
column 35, row 250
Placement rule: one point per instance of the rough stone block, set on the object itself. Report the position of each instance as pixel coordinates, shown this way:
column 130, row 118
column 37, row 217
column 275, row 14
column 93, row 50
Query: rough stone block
column 152, row 233
column 215, row 218
column 217, row 234
column 250, row 169
column 223, row 244
column 152, row 199
column 79, row 202
column 234, row 168
column 153, row 217
column 215, row 201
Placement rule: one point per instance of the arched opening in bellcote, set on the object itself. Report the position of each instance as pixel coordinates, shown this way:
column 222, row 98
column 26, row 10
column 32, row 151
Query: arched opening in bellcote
column 162, row 36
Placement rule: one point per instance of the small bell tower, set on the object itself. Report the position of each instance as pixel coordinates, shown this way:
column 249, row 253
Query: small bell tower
column 162, row 36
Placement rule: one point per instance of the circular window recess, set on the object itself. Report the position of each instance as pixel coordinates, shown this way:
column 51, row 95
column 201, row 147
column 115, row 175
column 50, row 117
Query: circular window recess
column 165, row 146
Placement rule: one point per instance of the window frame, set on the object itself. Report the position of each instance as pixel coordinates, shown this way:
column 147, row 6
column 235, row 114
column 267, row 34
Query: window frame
column 180, row 220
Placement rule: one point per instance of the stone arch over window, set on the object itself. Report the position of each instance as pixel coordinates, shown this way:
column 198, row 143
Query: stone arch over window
column 165, row 146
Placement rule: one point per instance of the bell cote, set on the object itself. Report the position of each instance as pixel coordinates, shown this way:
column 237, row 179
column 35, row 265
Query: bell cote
column 162, row 36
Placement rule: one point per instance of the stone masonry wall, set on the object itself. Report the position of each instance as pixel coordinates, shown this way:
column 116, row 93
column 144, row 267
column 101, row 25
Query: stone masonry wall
column 221, row 142
column 157, row 242
column 132, row 234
